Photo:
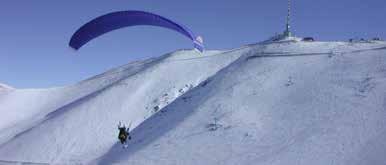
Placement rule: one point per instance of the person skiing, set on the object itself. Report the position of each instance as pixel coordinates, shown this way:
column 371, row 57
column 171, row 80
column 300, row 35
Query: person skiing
column 123, row 133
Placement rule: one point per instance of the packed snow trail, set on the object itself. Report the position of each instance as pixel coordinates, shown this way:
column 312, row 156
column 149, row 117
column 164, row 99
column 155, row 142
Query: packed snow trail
column 3, row 162
column 229, row 107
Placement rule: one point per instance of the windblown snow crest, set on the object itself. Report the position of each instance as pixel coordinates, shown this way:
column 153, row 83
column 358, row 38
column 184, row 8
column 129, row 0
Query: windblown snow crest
column 275, row 103
column 4, row 87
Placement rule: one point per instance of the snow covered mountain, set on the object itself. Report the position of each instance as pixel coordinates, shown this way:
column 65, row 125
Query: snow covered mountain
column 268, row 103
column 4, row 87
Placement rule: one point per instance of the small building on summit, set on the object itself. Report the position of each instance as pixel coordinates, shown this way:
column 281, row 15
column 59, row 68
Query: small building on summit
column 308, row 39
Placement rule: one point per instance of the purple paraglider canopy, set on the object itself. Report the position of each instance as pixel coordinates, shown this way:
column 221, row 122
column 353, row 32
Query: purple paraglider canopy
column 121, row 19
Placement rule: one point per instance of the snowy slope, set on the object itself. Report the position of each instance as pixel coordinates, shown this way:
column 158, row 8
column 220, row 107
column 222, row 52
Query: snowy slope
column 277, row 103
column 23, row 108
column 130, row 94
column 4, row 87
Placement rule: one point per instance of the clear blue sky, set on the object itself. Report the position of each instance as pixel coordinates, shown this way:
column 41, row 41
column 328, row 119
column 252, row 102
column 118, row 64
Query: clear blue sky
column 34, row 34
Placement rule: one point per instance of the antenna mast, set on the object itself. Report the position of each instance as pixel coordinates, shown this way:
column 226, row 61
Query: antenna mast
column 287, row 32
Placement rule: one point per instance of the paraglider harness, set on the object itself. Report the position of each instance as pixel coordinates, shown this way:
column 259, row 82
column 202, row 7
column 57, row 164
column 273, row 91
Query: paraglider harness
column 123, row 133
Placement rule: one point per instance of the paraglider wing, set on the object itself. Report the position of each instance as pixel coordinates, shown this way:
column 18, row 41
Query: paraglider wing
column 117, row 20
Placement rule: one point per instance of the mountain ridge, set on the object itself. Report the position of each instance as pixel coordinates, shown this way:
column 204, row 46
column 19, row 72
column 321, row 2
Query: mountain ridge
column 243, row 106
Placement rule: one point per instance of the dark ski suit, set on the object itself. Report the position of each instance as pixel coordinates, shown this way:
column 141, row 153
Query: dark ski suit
column 123, row 134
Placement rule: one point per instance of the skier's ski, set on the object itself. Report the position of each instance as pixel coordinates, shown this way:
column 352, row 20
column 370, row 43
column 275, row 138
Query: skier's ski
column 125, row 146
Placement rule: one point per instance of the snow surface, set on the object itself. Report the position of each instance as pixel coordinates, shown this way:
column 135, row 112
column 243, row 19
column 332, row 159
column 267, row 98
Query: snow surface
column 277, row 103
column 4, row 87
